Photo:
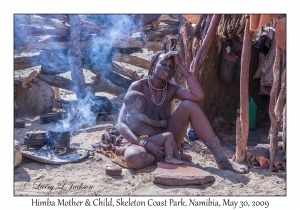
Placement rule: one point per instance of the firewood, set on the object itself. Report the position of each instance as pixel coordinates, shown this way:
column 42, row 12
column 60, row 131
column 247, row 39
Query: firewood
column 133, row 60
column 84, row 45
column 273, row 97
column 126, row 72
column 244, row 96
column 57, row 81
column 24, row 62
column 160, row 34
column 39, row 21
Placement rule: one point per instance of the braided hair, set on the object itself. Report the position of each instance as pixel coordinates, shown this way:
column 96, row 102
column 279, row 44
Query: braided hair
column 168, row 39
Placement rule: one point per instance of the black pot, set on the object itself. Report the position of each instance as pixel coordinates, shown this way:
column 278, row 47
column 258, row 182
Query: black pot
column 36, row 139
column 58, row 139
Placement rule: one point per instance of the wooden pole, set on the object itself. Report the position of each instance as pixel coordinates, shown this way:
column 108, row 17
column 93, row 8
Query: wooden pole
column 273, row 98
column 74, row 54
column 241, row 143
column 201, row 54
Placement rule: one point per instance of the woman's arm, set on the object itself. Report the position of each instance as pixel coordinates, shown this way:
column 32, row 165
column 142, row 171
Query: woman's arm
column 153, row 123
column 194, row 91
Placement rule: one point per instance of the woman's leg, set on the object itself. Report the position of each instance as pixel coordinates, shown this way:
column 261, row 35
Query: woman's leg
column 189, row 111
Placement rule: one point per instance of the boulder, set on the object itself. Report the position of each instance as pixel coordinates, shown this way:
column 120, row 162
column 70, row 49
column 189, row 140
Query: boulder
column 17, row 154
column 178, row 175
column 35, row 100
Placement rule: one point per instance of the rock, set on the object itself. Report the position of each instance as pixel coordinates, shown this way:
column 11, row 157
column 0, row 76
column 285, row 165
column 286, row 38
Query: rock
column 178, row 175
column 19, row 123
column 35, row 100
column 113, row 170
column 17, row 154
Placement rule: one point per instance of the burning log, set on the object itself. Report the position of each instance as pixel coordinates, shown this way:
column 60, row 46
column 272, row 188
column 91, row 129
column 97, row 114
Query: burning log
column 133, row 60
column 198, row 61
column 273, row 97
column 244, row 96
column 74, row 54
column 24, row 62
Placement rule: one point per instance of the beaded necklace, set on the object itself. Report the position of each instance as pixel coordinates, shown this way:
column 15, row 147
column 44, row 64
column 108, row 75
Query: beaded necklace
column 163, row 96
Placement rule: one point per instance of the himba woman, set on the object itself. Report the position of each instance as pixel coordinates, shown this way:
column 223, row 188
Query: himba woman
column 159, row 93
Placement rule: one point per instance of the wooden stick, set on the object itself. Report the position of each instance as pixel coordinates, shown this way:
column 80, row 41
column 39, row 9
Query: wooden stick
column 273, row 97
column 74, row 54
column 244, row 95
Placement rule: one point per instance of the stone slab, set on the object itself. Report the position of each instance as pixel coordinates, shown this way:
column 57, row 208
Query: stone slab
column 178, row 175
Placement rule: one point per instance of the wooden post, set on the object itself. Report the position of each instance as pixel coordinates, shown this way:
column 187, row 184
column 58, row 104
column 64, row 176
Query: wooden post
column 74, row 54
column 201, row 54
column 273, row 97
column 241, row 144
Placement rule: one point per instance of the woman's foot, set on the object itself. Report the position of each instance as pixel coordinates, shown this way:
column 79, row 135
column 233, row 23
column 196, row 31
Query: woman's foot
column 172, row 160
column 227, row 164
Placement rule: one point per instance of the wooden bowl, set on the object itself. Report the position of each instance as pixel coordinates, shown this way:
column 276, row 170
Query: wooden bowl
column 113, row 170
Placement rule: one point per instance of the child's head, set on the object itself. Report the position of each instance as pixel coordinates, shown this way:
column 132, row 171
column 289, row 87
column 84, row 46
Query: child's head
column 135, row 101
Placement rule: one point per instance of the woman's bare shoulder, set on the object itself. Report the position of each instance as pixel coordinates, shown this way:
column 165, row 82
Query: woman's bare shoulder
column 138, row 85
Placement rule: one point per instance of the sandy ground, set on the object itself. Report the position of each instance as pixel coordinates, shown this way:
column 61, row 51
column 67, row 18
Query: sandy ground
column 88, row 177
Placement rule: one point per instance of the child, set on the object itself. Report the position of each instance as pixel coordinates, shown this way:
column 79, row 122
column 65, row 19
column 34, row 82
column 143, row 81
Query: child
column 144, row 127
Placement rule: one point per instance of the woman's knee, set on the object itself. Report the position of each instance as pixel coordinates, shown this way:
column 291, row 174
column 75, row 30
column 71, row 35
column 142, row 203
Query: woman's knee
column 169, row 135
column 137, row 159
column 190, row 104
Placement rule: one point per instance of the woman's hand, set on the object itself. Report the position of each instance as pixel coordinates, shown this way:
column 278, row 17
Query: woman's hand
column 155, row 150
column 175, row 56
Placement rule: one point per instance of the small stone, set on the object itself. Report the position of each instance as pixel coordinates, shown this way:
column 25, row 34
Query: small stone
column 113, row 170
column 19, row 123
column 178, row 175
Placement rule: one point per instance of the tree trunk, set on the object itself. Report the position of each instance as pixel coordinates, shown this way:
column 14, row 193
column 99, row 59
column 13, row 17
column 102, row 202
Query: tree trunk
column 244, row 95
column 273, row 98
column 281, row 98
column 74, row 54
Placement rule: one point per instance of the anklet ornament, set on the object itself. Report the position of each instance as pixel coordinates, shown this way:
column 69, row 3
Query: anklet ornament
column 216, row 149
